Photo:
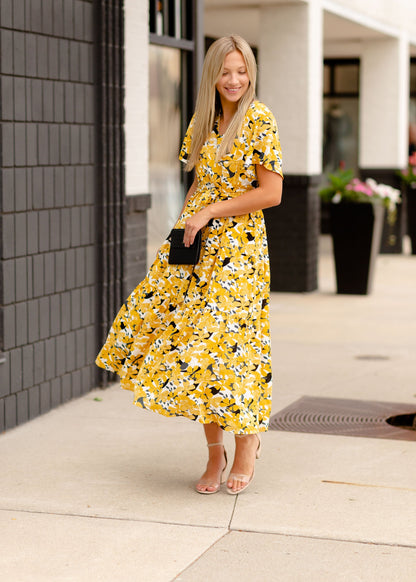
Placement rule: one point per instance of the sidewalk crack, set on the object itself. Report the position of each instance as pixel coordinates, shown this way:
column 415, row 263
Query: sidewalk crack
column 177, row 577
column 232, row 513
column 113, row 518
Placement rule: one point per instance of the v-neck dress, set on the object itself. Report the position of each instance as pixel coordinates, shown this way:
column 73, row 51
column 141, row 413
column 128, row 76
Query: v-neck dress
column 196, row 342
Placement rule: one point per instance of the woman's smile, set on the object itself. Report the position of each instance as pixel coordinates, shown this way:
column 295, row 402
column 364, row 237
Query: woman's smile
column 234, row 80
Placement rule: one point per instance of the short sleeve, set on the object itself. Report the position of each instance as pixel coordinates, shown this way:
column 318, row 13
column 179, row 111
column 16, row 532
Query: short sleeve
column 265, row 142
column 186, row 144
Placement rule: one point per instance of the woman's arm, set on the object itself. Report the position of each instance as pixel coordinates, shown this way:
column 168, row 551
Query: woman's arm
column 190, row 193
column 268, row 194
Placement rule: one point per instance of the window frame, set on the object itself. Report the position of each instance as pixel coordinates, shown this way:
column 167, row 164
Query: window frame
column 190, row 43
column 333, row 63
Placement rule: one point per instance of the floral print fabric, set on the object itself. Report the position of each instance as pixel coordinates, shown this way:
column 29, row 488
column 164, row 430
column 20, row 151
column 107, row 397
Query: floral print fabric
column 195, row 342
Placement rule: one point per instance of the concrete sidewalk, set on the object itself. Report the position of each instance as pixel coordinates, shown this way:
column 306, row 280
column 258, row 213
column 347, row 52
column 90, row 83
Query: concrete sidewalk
column 99, row 490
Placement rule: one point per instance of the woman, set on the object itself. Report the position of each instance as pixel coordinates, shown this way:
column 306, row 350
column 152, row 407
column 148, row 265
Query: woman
column 195, row 342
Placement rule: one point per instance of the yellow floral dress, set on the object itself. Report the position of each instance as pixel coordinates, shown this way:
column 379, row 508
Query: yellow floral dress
column 196, row 343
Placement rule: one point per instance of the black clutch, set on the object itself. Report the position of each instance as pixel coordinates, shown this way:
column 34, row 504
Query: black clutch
column 179, row 254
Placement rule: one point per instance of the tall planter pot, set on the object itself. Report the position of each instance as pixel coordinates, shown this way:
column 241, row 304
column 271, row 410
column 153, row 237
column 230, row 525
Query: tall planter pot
column 411, row 216
column 356, row 231
column 393, row 232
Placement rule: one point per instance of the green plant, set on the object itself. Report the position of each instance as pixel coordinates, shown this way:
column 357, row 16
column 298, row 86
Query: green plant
column 344, row 188
column 408, row 176
column 337, row 183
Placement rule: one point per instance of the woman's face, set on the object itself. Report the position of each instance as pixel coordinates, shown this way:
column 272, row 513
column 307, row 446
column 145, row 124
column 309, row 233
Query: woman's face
column 234, row 79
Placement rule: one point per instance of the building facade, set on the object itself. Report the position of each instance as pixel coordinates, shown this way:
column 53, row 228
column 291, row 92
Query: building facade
column 336, row 74
column 62, row 195
column 95, row 96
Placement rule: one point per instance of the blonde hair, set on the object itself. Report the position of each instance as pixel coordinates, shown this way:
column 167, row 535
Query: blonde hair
column 208, row 104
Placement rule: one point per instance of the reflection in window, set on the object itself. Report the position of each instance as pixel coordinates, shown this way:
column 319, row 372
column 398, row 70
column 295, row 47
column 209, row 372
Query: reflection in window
column 341, row 77
column 413, row 77
column 412, row 107
column 340, row 134
column 341, row 87
column 327, row 79
column 172, row 18
column 346, row 79
column 164, row 141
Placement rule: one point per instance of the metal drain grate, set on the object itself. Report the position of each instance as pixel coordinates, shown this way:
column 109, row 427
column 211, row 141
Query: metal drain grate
column 359, row 418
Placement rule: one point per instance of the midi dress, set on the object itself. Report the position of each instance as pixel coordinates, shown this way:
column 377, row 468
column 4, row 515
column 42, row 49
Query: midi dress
column 195, row 341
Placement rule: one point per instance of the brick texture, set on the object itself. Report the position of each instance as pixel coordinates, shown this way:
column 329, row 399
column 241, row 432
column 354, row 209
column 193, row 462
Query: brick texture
column 292, row 232
column 135, row 241
column 109, row 161
column 48, row 332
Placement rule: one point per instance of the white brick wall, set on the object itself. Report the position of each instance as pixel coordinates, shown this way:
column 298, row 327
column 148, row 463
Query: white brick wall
column 245, row 21
column 290, row 81
column 137, row 96
column 380, row 32
column 384, row 104
column 390, row 13
column 400, row 14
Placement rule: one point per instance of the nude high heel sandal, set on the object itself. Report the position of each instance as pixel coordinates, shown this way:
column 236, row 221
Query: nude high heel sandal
column 246, row 479
column 222, row 477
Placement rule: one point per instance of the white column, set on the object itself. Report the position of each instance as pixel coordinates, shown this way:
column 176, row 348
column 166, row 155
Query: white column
column 384, row 103
column 137, row 96
column 290, row 80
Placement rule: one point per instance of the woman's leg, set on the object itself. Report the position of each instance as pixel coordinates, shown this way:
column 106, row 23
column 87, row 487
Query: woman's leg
column 245, row 456
column 211, row 479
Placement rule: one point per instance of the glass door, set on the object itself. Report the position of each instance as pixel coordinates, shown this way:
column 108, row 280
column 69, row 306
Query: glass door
column 165, row 176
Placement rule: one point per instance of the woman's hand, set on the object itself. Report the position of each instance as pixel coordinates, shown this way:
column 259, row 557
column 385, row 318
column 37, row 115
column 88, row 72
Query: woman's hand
column 194, row 223
column 267, row 194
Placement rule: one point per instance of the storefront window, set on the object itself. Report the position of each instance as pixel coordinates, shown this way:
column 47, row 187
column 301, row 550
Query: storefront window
column 164, row 136
column 341, row 85
column 171, row 18
column 173, row 65
column 412, row 107
column 340, row 115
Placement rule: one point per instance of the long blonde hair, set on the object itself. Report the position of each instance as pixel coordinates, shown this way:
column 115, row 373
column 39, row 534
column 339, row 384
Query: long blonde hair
column 208, row 104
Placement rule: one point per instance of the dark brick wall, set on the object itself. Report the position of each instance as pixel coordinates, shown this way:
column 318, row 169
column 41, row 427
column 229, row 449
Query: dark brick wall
column 47, row 194
column 135, row 240
column 111, row 203
column 292, row 232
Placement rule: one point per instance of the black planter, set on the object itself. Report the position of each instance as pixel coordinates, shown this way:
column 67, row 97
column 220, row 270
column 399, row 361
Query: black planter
column 356, row 233
column 393, row 232
column 411, row 216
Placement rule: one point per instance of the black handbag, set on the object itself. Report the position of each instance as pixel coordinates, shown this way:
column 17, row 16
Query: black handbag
column 179, row 254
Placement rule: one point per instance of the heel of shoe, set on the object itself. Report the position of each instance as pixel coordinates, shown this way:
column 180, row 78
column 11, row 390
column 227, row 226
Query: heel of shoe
column 223, row 477
column 258, row 452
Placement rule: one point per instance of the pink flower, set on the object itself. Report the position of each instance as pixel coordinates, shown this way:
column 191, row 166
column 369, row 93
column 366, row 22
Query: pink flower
column 357, row 186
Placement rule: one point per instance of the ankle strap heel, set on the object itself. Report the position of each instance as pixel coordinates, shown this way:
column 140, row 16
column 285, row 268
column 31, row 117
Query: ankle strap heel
column 215, row 485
